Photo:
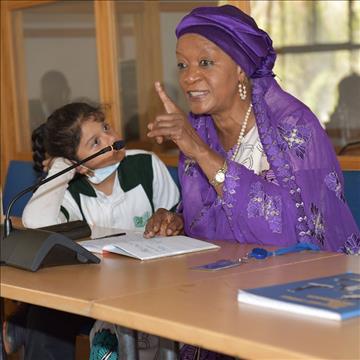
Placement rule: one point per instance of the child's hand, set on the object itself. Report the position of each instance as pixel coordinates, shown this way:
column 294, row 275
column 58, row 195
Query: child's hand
column 47, row 164
column 164, row 223
column 83, row 170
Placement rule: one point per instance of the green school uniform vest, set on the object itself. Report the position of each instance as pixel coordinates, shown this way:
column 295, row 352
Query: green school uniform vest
column 133, row 170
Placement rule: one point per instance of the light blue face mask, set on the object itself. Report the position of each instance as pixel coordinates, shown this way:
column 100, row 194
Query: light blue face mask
column 99, row 175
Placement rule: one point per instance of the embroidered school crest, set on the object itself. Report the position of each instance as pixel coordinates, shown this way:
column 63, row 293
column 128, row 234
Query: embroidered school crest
column 140, row 221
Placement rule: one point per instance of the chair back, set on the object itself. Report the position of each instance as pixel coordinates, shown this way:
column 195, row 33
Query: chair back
column 352, row 192
column 173, row 170
column 20, row 175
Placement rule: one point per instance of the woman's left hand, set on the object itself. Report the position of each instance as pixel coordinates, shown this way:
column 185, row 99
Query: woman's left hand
column 164, row 223
column 175, row 126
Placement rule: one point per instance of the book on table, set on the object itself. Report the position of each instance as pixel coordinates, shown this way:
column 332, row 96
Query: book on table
column 133, row 244
column 334, row 297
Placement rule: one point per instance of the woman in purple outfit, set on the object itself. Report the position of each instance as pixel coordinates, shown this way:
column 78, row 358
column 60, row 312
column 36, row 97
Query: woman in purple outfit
column 255, row 164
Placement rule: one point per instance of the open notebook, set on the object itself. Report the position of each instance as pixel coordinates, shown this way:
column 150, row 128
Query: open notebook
column 133, row 244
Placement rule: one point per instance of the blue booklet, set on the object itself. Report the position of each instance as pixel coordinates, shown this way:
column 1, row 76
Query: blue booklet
column 334, row 297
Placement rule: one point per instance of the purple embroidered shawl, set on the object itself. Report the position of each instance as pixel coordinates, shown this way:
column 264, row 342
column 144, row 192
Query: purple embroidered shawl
column 301, row 197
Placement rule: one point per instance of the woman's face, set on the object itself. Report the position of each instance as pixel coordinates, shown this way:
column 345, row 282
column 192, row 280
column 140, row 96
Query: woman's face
column 207, row 75
column 96, row 135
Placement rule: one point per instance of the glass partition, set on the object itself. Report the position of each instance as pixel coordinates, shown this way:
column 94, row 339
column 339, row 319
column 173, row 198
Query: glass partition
column 55, row 61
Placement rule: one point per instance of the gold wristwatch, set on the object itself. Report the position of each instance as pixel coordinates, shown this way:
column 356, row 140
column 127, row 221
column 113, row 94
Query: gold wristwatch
column 219, row 177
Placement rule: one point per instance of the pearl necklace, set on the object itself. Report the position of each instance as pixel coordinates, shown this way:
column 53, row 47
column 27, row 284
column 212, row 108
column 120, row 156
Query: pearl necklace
column 242, row 132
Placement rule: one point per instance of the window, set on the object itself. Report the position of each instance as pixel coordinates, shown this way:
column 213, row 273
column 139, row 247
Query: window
column 318, row 47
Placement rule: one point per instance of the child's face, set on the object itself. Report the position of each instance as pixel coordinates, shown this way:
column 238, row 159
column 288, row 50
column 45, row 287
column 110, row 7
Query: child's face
column 95, row 136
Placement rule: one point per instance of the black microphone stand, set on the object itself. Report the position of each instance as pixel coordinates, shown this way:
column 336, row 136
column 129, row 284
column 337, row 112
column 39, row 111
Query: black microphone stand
column 117, row 145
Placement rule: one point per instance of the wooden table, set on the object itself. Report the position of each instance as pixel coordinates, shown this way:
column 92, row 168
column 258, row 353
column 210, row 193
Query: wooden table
column 166, row 297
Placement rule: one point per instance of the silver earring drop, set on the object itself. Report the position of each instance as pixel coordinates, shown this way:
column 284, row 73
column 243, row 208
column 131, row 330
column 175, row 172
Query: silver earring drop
column 242, row 91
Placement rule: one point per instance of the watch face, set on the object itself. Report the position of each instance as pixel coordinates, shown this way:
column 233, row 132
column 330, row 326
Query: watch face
column 220, row 177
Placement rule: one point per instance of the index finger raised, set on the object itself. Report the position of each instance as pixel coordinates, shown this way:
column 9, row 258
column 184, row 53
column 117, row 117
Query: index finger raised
column 169, row 105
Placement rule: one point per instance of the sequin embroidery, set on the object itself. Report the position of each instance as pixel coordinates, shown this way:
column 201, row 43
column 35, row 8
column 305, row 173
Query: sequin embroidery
column 317, row 227
column 264, row 205
column 351, row 245
column 295, row 138
column 333, row 183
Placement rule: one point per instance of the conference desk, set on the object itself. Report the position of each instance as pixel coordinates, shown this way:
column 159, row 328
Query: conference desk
column 166, row 297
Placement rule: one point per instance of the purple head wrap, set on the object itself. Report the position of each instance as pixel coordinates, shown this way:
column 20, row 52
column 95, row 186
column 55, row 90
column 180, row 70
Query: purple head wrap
column 236, row 34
